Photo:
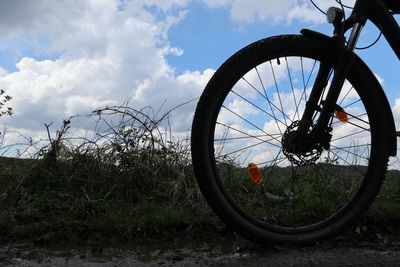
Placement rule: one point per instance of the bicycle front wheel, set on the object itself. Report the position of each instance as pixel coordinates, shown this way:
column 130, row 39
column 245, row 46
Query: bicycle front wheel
column 255, row 184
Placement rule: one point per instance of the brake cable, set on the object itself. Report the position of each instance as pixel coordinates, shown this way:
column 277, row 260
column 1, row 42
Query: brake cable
column 343, row 6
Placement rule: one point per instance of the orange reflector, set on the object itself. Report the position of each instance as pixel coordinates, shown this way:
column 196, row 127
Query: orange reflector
column 341, row 115
column 254, row 173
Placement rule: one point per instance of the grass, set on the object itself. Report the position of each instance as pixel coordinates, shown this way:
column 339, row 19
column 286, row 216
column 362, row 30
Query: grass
column 44, row 199
column 385, row 212
column 129, row 180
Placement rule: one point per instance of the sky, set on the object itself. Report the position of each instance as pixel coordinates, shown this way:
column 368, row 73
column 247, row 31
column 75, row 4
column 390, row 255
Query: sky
column 65, row 58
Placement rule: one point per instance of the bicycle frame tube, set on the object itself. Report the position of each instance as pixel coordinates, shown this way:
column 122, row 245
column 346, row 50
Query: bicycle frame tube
column 378, row 13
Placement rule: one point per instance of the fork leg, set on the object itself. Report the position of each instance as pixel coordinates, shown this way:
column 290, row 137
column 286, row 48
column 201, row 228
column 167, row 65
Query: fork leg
column 312, row 104
column 345, row 60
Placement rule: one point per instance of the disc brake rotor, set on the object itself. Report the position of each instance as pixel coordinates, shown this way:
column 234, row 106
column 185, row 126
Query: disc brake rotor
column 294, row 155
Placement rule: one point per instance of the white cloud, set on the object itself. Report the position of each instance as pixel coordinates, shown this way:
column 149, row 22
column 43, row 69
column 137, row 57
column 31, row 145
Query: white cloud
column 248, row 11
column 245, row 11
column 218, row 3
column 396, row 112
column 303, row 12
column 21, row 16
column 111, row 51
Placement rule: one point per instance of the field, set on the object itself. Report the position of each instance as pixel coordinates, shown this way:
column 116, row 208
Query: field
column 127, row 182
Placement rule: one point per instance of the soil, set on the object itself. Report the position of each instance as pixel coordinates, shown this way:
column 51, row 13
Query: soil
column 210, row 251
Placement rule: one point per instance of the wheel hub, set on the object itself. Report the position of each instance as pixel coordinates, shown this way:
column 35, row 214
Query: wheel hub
column 299, row 147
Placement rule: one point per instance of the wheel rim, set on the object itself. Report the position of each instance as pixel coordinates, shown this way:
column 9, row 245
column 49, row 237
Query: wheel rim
column 258, row 178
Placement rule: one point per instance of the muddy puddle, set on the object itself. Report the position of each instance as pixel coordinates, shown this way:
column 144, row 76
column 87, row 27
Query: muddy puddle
column 206, row 252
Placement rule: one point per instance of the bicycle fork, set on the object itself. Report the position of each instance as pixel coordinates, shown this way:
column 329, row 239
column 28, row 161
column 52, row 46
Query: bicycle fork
column 321, row 130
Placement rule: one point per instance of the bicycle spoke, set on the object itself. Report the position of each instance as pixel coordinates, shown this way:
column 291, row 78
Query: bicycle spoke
column 270, row 103
column 309, row 77
column 353, row 103
column 249, row 122
column 285, row 194
column 262, row 110
column 305, row 84
column 279, row 95
column 353, row 116
column 293, row 93
column 352, row 146
column 242, row 137
column 350, row 152
column 344, row 97
column 329, row 184
column 249, row 135
column 303, row 79
column 239, row 169
column 348, row 164
column 348, row 135
column 241, row 149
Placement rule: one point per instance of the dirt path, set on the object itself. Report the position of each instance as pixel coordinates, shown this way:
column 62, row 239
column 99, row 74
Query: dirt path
column 207, row 252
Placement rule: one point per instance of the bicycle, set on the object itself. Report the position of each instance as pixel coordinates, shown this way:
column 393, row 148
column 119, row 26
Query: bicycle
column 292, row 135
